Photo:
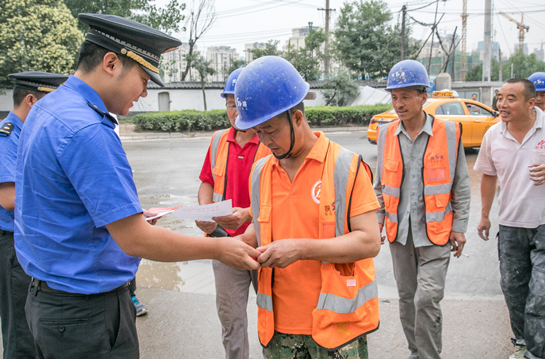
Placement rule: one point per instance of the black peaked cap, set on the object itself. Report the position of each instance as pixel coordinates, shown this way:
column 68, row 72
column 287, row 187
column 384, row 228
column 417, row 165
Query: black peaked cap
column 139, row 42
column 37, row 80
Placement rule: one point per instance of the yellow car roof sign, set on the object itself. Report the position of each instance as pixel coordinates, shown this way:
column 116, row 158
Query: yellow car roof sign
column 443, row 93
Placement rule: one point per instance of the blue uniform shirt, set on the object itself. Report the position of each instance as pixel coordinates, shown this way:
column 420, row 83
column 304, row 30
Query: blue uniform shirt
column 73, row 178
column 8, row 162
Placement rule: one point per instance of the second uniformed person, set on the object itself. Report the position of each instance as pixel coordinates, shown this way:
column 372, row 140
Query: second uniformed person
column 79, row 224
column 30, row 86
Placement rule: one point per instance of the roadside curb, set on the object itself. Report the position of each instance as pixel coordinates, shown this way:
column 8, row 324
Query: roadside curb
column 187, row 135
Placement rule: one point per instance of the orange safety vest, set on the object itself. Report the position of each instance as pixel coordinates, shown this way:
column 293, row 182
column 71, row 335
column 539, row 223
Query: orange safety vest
column 348, row 304
column 439, row 166
column 219, row 154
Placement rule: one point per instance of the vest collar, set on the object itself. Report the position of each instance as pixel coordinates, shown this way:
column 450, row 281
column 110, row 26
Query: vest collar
column 317, row 152
column 427, row 127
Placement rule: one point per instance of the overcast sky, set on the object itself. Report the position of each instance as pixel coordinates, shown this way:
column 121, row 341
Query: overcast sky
column 244, row 21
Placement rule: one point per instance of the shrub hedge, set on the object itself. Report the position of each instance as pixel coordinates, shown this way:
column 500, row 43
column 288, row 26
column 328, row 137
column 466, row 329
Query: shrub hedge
column 192, row 120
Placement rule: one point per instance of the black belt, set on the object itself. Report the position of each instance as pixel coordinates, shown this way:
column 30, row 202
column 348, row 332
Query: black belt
column 5, row 232
column 43, row 286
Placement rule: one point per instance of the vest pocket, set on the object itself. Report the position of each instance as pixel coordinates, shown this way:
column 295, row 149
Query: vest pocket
column 338, row 296
column 390, row 174
column 327, row 229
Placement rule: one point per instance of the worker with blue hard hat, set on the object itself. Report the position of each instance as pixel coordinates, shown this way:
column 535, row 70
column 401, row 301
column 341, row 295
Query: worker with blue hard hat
column 314, row 216
column 79, row 228
column 224, row 176
column 30, row 86
column 422, row 184
column 538, row 78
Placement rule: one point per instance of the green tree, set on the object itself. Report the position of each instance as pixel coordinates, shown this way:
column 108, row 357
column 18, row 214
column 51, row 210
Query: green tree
column 235, row 64
column 204, row 69
column 339, row 88
column 308, row 66
column 201, row 18
column 37, row 35
column 523, row 67
column 307, row 59
column 167, row 19
column 365, row 42
column 271, row 49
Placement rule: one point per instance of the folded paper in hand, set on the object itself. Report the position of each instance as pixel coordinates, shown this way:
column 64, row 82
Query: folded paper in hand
column 201, row 213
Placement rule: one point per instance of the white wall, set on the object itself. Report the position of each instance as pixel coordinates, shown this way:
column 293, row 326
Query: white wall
column 183, row 99
column 6, row 100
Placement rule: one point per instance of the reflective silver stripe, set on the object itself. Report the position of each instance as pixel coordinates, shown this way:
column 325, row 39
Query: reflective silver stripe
column 216, row 197
column 451, row 144
column 214, row 149
column 438, row 189
column 342, row 305
column 391, row 216
column 391, row 191
column 264, row 302
column 340, row 175
column 255, row 196
column 438, row 216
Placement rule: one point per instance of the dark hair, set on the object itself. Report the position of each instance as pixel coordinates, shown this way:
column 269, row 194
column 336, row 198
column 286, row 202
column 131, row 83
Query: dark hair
column 19, row 95
column 300, row 106
column 91, row 55
column 473, row 94
column 529, row 87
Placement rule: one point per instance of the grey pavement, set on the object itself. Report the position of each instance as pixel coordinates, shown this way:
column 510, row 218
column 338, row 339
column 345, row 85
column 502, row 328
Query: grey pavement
column 182, row 320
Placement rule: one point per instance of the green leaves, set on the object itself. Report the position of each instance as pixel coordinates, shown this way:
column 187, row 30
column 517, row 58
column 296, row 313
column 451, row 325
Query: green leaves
column 37, row 36
column 365, row 42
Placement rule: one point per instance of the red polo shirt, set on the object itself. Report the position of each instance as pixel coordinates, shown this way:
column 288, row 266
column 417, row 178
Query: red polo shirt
column 239, row 166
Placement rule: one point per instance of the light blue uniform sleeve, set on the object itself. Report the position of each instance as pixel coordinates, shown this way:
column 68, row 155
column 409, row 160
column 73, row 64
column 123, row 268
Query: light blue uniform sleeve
column 8, row 159
column 96, row 165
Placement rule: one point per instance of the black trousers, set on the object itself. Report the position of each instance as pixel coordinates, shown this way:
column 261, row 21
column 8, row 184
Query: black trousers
column 16, row 337
column 82, row 326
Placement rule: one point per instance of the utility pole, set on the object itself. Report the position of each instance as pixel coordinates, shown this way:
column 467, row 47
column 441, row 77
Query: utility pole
column 499, row 60
column 432, row 35
column 326, row 47
column 487, row 59
column 404, row 13
column 464, row 37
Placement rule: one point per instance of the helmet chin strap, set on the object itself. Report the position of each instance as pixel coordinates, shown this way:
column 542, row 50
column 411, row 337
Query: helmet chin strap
column 292, row 140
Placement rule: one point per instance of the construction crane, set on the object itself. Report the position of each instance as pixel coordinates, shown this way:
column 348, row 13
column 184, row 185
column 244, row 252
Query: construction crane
column 520, row 26
column 464, row 36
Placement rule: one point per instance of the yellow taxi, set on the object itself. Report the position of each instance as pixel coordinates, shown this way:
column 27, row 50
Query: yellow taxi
column 475, row 117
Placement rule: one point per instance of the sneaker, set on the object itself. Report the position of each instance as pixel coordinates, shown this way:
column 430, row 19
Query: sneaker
column 519, row 354
column 140, row 308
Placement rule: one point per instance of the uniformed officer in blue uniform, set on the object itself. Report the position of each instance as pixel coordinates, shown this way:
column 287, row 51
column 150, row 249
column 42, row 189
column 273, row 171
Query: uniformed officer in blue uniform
column 79, row 227
column 17, row 341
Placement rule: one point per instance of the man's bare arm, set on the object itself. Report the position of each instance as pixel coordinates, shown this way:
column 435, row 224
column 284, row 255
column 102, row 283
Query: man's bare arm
column 137, row 238
column 363, row 242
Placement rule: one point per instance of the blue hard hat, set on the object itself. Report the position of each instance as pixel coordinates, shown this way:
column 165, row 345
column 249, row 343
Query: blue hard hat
column 407, row 73
column 267, row 87
column 538, row 78
column 229, row 88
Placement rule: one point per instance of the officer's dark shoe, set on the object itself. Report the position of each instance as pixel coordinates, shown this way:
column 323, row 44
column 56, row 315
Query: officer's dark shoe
column 140, row 308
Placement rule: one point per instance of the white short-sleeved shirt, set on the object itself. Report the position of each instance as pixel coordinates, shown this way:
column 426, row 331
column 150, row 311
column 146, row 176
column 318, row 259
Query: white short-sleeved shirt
column 521, row 203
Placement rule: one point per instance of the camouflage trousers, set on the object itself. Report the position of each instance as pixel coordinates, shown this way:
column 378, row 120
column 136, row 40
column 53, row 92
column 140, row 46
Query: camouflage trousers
column 522, row 270
column 291, row 346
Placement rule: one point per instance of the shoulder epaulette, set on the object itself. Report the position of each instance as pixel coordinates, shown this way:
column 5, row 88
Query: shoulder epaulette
column 103, row 113
column 7, row 129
